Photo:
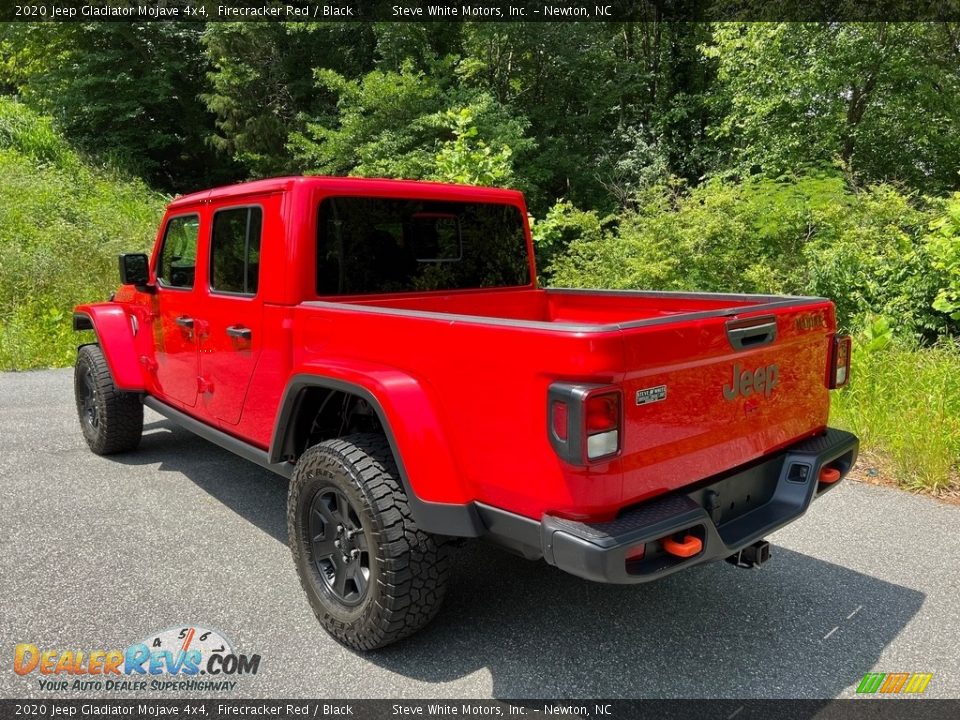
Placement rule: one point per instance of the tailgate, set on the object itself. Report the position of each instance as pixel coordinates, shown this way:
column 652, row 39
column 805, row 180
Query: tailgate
column 703, row 395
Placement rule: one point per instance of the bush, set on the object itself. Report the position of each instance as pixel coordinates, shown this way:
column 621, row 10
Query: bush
column 28, row 134
column 944, row 247
column 62, row 224
column 811, row 235
column 563, row 224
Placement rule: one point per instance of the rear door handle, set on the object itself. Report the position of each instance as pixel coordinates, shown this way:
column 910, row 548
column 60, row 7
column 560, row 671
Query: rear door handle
column 239, row 332
column 185, row 322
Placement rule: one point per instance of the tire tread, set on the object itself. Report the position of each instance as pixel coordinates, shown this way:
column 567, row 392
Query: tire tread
column 414, row 566
column 121, row 413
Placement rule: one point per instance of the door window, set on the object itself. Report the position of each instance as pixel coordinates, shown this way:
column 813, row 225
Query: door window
column 178, row 256
column 235, row 251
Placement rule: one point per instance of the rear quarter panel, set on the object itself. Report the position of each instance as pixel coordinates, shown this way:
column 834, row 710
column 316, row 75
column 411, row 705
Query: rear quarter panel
column 486, row 389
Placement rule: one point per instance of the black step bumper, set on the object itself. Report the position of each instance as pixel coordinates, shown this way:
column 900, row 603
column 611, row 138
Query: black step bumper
column 726, row 513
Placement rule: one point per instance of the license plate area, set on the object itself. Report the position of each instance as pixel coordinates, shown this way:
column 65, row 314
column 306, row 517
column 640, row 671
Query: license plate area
column 734, row 496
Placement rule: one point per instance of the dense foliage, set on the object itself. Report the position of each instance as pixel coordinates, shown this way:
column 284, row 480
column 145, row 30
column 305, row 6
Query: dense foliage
column 883, row 99
column 62, row 224
column 871, row 250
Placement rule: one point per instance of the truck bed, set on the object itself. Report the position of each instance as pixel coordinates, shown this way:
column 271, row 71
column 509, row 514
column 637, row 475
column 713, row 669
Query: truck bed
column 598, row 309
column 494, row 353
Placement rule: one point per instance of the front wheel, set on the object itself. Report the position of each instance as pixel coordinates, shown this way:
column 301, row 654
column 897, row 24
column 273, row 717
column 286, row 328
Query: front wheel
column 370, row 574
column 111, row 420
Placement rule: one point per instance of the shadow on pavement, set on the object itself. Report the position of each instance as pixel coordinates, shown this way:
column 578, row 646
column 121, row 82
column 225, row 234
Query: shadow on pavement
column 250, row 491
column 713, row 631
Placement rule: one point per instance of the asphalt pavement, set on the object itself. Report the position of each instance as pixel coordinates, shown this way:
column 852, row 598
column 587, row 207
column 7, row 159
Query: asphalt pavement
column 97, row 553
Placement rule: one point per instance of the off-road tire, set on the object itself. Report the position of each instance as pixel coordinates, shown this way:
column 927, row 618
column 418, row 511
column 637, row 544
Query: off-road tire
column 408, row 568
column 111, row 420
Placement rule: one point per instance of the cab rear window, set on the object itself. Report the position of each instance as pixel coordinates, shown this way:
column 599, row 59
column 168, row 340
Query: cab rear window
column 378, row 245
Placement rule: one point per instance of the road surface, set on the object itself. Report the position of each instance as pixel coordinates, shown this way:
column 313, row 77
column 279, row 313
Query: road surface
column 98, row 553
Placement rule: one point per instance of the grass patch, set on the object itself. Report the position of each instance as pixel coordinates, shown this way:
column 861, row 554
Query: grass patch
column 904, row 404
column 63, row 222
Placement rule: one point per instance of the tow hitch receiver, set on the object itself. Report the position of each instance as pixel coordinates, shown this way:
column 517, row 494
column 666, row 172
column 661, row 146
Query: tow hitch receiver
column 753, row 556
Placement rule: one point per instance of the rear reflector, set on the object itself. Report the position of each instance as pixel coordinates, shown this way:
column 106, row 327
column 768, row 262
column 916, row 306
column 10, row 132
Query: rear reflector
column 840, row 364
column 558, row 420
column 636, row 553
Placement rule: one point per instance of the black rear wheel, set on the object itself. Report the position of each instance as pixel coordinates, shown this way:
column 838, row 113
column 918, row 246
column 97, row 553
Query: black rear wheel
column 111, row 420
column 339, row 546
column 370, row 574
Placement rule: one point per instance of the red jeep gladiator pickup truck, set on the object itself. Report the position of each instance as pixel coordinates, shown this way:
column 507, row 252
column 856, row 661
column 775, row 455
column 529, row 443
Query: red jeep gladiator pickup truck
column 385, row 346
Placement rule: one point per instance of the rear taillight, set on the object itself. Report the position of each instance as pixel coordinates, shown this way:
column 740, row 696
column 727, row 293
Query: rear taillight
column 840, row 361
column 602, row 425
column 584, row 422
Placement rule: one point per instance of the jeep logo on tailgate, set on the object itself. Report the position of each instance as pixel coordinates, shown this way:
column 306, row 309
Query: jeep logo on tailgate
column 762, row 380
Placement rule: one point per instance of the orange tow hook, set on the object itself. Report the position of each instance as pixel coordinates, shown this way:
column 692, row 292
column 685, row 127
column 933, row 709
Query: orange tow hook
column 688, row 547
column 829, row 475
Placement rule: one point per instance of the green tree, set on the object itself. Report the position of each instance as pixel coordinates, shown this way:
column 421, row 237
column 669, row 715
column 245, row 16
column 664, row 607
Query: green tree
column 261, row 83
column 808, row 235
column 611, row 106
column 396, row 123
column 880, row 99
column 128, row 92
column 467, row 159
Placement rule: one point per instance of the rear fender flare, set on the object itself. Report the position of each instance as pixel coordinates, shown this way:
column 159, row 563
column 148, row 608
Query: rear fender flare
column 114, row 334
column 415, row 435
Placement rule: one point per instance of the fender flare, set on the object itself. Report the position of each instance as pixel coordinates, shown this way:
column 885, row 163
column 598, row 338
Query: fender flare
column 442, row 518
column 115, row 336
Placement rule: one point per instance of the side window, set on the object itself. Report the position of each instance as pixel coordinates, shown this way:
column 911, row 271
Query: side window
column 235, row 250
column 178, row 258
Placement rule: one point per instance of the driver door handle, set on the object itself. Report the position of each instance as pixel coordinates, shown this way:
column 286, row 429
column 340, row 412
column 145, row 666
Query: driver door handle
column 185, row 322
column 239, row 332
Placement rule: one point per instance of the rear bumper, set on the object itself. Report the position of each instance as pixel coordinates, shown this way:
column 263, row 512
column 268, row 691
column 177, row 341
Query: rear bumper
column 726, row 513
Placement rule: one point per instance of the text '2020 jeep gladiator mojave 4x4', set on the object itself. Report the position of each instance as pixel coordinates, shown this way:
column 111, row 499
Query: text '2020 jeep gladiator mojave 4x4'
column 384, row 344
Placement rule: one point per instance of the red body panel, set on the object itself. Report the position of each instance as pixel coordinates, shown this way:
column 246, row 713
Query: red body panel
column 462, row 377
column 115, row 333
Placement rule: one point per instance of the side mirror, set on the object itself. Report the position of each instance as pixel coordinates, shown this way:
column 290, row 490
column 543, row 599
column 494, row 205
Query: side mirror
column 135, row 270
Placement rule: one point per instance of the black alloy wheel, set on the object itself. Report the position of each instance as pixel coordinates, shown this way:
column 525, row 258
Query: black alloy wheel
column 339, row 546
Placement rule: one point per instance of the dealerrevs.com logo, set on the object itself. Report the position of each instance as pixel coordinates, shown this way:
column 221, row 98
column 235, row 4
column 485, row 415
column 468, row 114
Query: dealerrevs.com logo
column 190, row 657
